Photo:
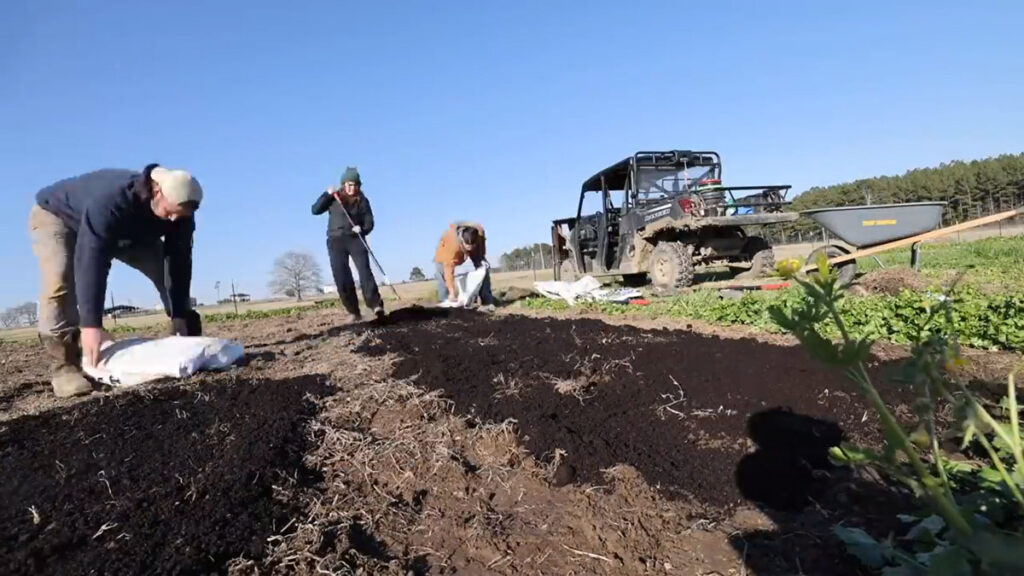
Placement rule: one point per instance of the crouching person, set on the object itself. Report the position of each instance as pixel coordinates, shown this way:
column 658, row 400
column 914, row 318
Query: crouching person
column 462, row 241
column 78, row 226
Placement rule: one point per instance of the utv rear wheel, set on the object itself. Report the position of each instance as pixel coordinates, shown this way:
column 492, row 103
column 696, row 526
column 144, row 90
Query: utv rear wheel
column 762, row 257
column 671, row 266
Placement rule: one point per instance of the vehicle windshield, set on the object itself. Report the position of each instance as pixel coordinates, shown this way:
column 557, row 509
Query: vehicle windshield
column 657, row 183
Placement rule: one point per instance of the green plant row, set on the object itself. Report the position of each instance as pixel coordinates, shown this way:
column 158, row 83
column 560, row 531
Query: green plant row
column 218, row 317
column 983, row 321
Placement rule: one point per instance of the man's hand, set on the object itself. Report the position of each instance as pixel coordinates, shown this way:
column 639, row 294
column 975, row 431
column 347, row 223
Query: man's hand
column 92, row 340
column 357, row 229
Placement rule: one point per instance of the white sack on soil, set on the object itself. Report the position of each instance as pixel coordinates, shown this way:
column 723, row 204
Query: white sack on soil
column 137, row 360
column 467, row 287
column 584, row 289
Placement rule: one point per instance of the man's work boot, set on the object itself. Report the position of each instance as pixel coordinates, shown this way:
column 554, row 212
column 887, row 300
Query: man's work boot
column 66, row 365
column 378, row 312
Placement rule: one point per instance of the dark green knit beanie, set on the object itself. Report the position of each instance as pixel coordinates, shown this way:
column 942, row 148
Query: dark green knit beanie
column 351, row 175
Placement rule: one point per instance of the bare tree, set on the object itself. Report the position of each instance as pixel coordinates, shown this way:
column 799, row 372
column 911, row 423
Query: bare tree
column 27, row 313
column 9, row 318
column 295, row 274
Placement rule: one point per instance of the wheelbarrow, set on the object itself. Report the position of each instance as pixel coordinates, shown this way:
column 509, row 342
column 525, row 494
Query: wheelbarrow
column 874, row 228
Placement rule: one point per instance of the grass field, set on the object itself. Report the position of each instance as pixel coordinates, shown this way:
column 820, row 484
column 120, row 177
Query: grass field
column 990, row 264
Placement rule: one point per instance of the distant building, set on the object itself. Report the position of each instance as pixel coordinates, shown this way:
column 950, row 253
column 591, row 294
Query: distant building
column 122, row 310
column 240, row 297
column 331, row 289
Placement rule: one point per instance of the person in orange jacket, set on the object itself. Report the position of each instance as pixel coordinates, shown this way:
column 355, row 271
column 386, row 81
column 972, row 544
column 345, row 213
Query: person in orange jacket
column 462, row 241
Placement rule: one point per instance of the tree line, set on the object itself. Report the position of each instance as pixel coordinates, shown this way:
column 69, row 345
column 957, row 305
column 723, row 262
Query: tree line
column 971, row 190
column 534, row 256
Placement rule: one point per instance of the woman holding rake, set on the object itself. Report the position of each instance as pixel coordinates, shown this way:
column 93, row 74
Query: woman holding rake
column 350, row 220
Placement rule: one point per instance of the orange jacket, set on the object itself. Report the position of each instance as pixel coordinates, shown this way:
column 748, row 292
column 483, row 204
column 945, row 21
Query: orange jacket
column 450, row 253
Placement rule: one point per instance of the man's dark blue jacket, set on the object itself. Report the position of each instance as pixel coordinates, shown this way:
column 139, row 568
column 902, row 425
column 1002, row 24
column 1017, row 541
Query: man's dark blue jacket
column 110, row 210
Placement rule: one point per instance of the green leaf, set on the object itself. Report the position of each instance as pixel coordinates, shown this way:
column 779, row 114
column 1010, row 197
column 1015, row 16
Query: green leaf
column 991, row 476
column 850, row 455
column 903, row 570
column 999, row 550
column 950, row 561
column 927, row 530
column 860, row 544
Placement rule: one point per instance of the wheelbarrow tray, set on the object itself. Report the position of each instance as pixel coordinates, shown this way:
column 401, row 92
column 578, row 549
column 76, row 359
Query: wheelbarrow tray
column 867, row 226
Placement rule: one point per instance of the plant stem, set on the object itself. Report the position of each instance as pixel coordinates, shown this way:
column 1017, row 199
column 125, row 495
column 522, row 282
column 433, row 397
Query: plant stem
column 1011, row 398
column 944, row 501
column 998, row 428
column 939, row 458
column 1007, row 479
column 943, row 496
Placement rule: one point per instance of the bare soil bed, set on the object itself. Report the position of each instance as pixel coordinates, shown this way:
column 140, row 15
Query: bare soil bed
column 443, row 443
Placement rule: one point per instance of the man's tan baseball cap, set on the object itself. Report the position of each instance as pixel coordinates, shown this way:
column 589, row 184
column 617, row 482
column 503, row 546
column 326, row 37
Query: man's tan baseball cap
column 178, row 186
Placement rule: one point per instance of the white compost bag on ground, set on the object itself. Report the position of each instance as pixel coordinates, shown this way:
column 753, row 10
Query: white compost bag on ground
column 136, row 360
column 584, row 289
column 467, row 287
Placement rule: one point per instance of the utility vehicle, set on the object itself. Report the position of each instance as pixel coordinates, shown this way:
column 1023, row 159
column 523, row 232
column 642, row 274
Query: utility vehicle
column 664, row 216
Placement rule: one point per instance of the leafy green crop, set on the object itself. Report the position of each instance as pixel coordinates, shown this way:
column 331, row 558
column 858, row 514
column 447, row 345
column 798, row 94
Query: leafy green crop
column 272, row 313
column 983, row 320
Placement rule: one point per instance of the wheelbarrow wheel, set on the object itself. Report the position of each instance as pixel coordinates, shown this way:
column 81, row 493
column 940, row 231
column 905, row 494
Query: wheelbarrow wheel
column 847, row 270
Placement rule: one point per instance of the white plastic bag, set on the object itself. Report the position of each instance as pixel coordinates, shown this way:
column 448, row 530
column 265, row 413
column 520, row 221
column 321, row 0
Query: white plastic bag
column 470, row 284
column 586, row 288
column 467, row 287
column 136, row 360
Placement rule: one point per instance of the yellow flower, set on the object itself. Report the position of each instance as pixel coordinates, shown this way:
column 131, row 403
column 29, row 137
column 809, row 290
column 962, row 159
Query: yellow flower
column 822, row 274
column 954, row 361
column 788, row 268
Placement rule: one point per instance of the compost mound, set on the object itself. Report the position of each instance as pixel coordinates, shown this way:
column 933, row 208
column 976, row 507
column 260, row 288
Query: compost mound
column 172, row 481
column 674, row 405
column 892, row 281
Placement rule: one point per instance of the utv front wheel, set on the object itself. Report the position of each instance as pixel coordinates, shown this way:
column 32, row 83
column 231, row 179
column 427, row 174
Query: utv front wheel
column 567, row 270
column 671, row 266
column 762, row 257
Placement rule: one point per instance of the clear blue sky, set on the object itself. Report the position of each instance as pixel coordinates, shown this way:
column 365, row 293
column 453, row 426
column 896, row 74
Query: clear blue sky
column 467, row 110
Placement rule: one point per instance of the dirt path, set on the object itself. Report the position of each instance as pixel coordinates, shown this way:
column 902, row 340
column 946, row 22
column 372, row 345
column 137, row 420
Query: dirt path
column 439, row 445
